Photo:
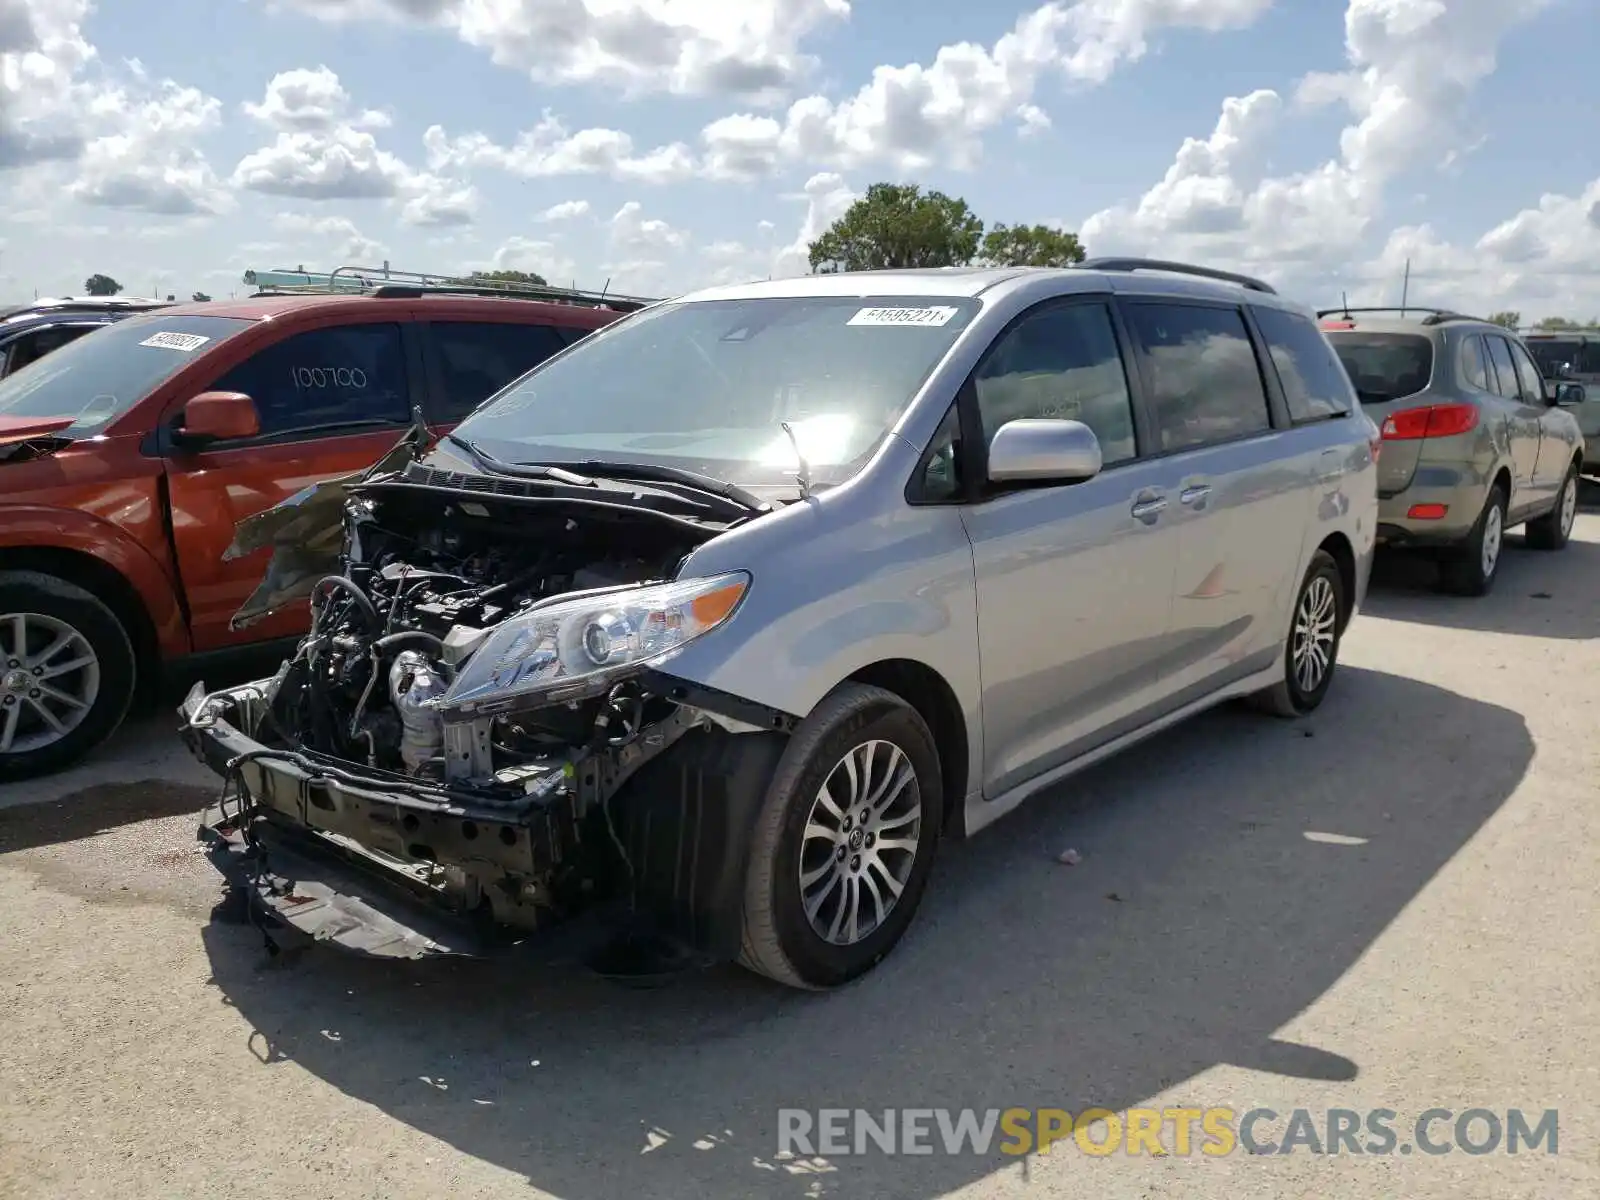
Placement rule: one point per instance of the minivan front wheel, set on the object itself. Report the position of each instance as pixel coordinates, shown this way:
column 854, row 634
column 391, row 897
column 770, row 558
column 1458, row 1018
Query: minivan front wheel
column 67, row 673
column 844, row 841
column 1312, row 649
column 1471, row 569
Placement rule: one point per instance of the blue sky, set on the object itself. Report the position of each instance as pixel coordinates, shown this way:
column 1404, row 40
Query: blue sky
column 666, row 144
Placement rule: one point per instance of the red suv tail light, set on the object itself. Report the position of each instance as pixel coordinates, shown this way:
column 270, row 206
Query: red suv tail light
column 1434, row 420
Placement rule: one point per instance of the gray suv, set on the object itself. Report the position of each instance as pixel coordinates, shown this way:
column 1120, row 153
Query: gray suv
column 711, row 626
column 1475, row 439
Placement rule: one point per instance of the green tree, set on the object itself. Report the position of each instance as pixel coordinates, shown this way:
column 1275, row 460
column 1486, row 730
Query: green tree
column 249, row 279
column 1510, row 318
column 899, row 225
column 510, row 277
column 1030, row 246
column 200, row 298
column 1556, row 324
column 101, row 285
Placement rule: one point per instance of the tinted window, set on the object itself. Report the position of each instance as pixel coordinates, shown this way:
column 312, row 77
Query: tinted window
column 1527, row 375
column 1474, row 372
column 1205, row 382
column 1061, row 362
column 1558, row 357
column 1314, row 384
column 33, row 346
column 476, row 360
column 101, row 376
column 323, row 378
column 1385, row 366
column 1503, row 378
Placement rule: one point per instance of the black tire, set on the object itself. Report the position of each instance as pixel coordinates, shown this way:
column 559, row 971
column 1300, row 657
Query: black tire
column 1461, row 570
column 1553, row 530
column 1289, row 697
column 30, row 592
column 778, row 939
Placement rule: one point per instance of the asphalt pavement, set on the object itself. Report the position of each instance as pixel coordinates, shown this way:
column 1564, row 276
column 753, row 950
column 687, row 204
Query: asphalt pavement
column 1392, row 905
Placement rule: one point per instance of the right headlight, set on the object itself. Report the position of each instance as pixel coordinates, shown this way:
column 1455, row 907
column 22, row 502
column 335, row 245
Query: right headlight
column 577, row 646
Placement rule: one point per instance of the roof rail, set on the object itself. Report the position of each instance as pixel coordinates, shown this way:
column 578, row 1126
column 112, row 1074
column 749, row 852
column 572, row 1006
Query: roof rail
column 1177, row 268
column 386, row 283
column 1435, row 316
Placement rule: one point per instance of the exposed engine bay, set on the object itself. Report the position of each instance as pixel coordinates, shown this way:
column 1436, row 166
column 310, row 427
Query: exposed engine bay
column 476, row 688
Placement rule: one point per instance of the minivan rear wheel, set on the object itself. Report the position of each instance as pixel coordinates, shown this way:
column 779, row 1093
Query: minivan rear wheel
column 844, row 841
column 1312, row 649
column 67, row 673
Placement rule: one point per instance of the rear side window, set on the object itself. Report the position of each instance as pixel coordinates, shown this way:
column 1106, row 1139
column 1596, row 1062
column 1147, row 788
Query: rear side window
column 1527, row 375
column 1474, row 372
column 1385, row 366
column 1202, row 376
column 325, row 378
column 1314, row 383
column 1503, row 376
column 476, row 359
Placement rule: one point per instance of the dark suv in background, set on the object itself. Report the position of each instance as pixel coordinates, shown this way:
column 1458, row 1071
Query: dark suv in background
column 31, row 331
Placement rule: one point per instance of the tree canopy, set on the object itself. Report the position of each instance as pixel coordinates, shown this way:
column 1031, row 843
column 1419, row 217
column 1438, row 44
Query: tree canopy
column 510, row 277
column 1030, row 246
column 101, row 285
column 1510, row 318
column 899, row 225
column 1565, row 324
column 200, row 297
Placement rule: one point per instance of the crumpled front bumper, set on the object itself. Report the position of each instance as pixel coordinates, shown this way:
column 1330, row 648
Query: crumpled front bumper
column 334, row 859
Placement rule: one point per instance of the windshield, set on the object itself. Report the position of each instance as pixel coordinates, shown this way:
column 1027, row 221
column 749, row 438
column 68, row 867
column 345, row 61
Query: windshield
column 1385, row 366
column 707, row 386
column 1563, row 358
column 101, row 375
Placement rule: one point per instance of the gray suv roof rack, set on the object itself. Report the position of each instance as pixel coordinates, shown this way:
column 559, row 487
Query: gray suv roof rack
column 1435, row 316
column 1160, row 264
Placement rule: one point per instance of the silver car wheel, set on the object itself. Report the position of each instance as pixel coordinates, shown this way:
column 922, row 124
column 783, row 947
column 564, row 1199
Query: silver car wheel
column 1314, row 625
column 1569, row 505
column 1493, row 534
column 49, row 681
column 860, row 842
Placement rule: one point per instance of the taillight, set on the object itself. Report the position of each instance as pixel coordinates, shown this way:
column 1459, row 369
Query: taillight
column 1338, row 324
column 1434, row 420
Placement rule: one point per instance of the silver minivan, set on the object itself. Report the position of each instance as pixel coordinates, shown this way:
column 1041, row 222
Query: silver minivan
column 707, row 630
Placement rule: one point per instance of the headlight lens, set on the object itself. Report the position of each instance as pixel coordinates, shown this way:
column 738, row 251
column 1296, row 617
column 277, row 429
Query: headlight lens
column 577, row 646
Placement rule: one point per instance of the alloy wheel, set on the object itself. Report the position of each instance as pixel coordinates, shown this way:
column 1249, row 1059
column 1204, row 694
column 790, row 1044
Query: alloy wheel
column 1314, row 627
column 860, row 842
column 49, row 681
column 1569, row 505
column 1493, row 535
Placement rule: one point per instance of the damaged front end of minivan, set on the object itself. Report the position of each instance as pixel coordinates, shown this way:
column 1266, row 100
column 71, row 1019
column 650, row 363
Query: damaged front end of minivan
column 480, row 738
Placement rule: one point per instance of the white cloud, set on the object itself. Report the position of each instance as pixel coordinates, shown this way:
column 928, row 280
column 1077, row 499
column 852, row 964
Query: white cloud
column 549, row 149
column 544, row 258
column 567, row 210
column 434, row 202
column 150, row 163
column 632, row 232
column 42, row 49
column 1413, row 66
column 336, row 164
column 338, row 235
column 913, row 117
column 827, row 196
column 689, row 47
column 311, row 100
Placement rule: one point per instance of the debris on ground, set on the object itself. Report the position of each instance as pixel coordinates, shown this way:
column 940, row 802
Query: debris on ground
column 1069, row 858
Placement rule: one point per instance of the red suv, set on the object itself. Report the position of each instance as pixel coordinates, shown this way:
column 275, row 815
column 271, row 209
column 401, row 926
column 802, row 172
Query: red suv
column 128, row 456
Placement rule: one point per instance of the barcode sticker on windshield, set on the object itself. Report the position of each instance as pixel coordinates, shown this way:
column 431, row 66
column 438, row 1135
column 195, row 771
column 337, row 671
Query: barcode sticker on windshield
column 939, row 314
column 187, row 342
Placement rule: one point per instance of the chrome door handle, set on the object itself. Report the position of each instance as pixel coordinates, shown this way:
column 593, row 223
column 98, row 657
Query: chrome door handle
column 1194, row 495
column 1149, row 509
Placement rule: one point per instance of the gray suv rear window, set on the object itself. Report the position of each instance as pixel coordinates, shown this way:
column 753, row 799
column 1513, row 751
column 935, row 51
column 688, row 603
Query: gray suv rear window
column 1385, row 366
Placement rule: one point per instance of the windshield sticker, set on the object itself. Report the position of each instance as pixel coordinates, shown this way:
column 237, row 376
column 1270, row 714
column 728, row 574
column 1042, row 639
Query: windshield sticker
column 937, row 315
column 187, row 342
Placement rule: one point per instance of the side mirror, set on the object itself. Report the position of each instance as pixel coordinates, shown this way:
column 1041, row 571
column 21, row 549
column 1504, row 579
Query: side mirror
column 1043, row 451
column 1569, row 394
column 219, row 416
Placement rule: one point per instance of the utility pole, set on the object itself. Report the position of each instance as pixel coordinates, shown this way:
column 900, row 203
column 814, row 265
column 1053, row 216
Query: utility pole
column 1405, row 288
